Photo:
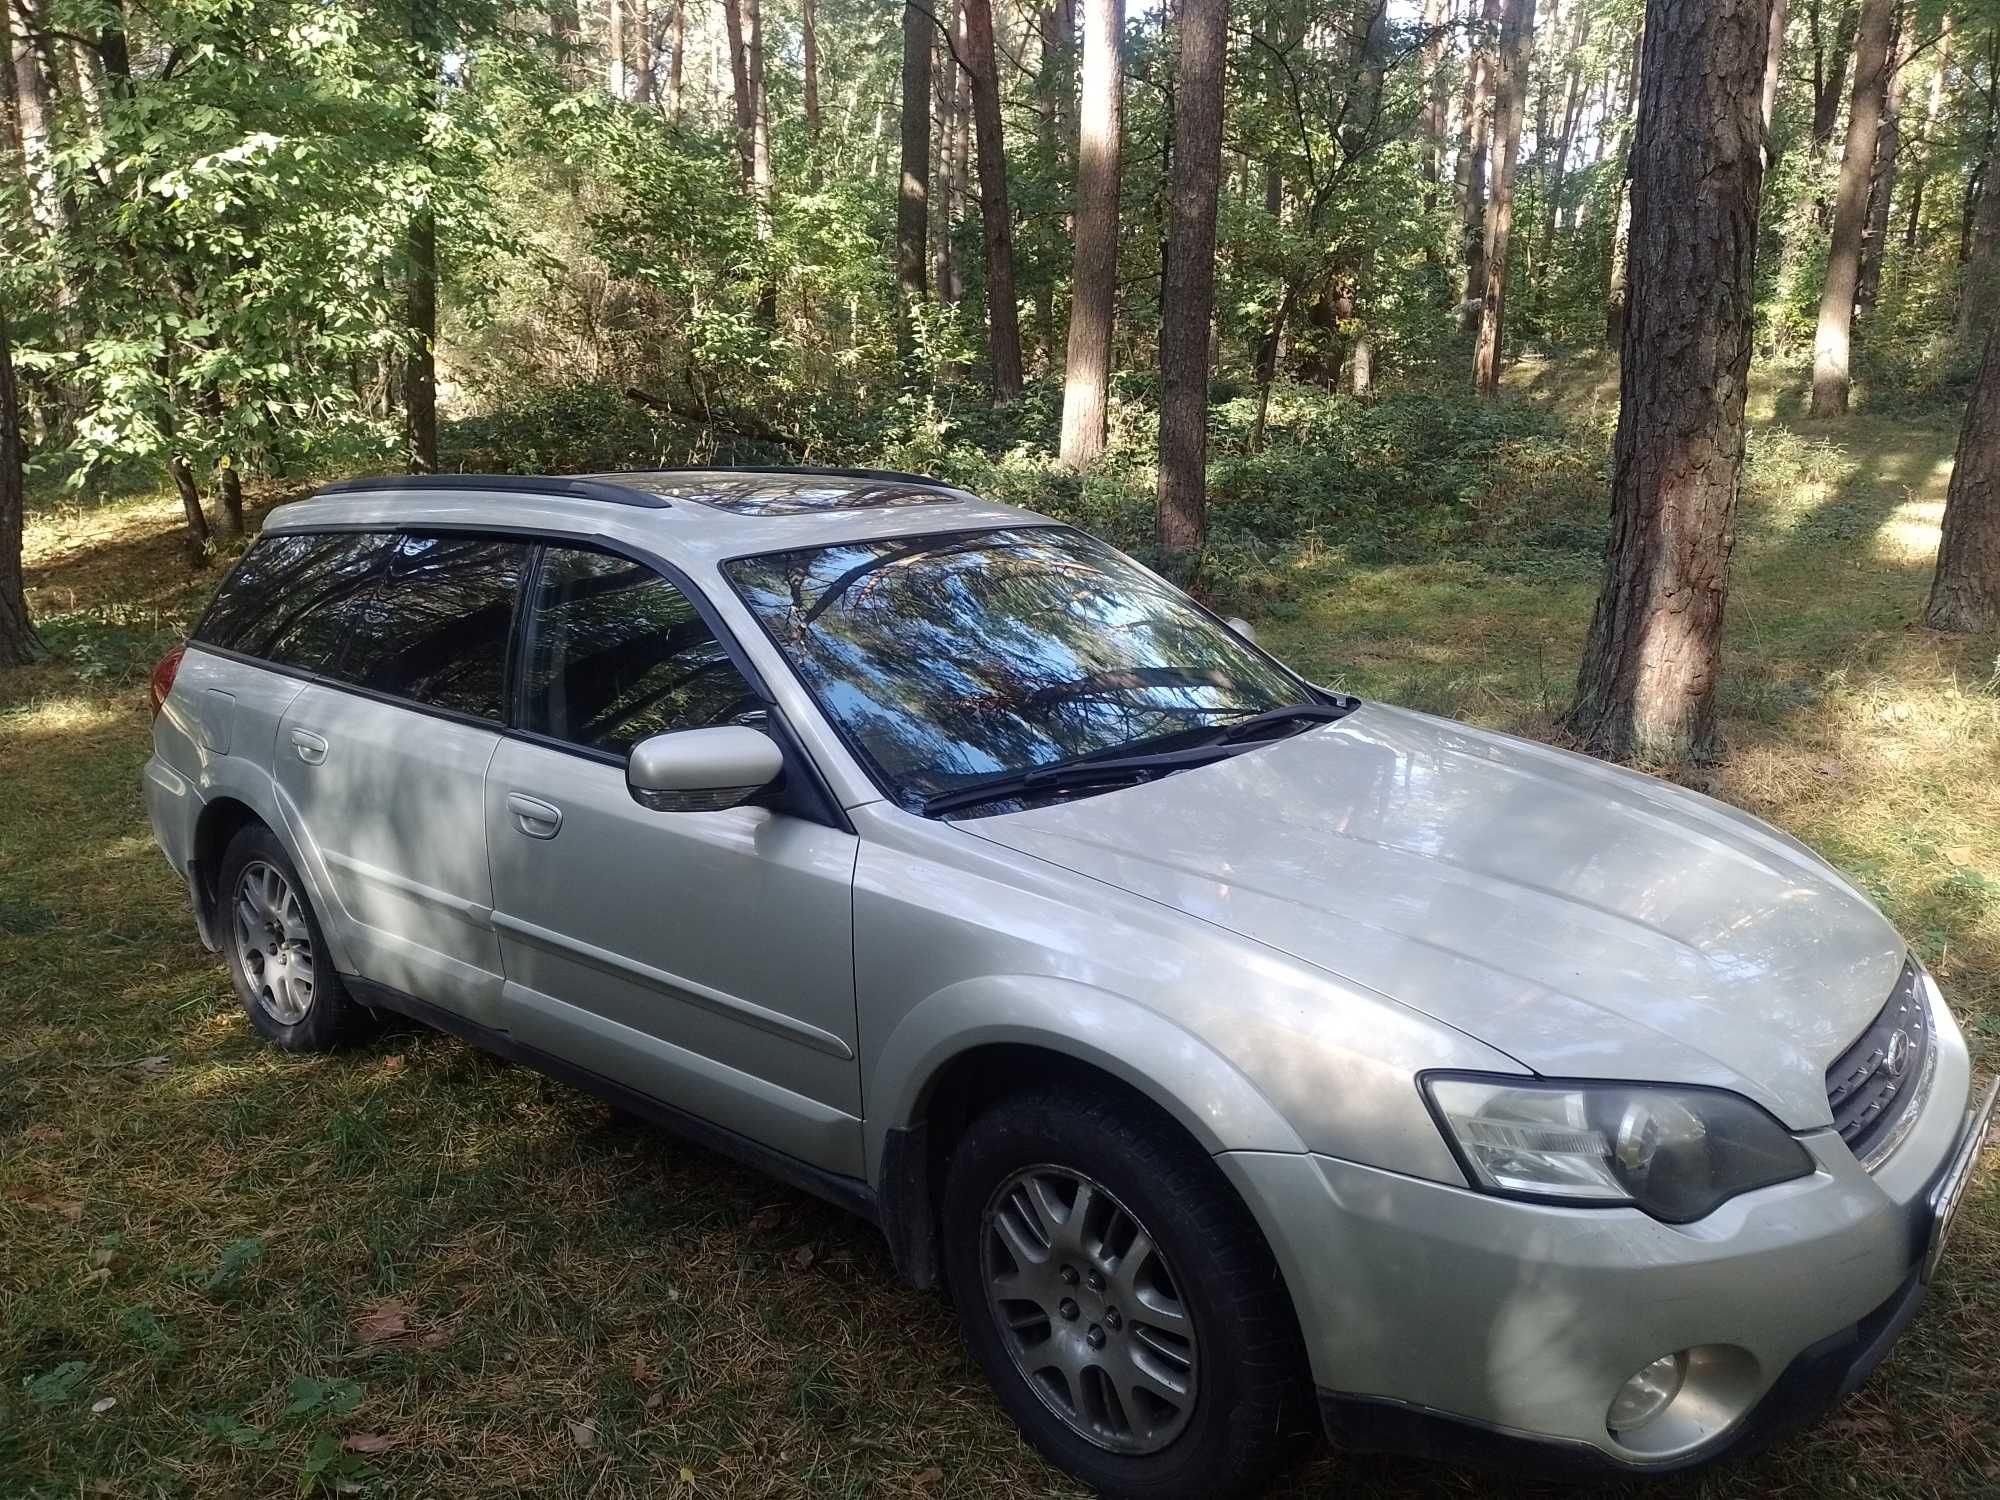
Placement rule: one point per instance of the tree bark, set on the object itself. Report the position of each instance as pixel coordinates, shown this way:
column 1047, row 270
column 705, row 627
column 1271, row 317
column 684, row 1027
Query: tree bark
column 1094, row 278
column 1646, row 686
column 1773, row 71
column 913, row 209
column 945, row 198
column 1829, row 70
column 810, row 22
column 1882, row 189
column 642, row 38
column 19, row 644
column 1365, row 129
column 1187, row 296
column 1965, row 594
column 676, row 59
column 1003, row 318
column 760, row 149
column 1431, row 24
column 420, row 362
column 739, row 83
column 1510, row 96
column 1617, row 291
column 1850, row 210
column 1979, row 295
column 1572, row 102
column 1472, row 162
column 614, row 48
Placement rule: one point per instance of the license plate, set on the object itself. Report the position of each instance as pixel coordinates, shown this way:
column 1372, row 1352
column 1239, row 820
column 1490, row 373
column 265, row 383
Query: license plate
column 1950, row 1191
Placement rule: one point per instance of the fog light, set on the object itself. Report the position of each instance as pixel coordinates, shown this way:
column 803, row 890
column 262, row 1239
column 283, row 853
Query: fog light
column 1647, row 1393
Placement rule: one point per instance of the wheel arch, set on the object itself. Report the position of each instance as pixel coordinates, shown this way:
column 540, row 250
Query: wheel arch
column 972, row 1043
column 226, row 813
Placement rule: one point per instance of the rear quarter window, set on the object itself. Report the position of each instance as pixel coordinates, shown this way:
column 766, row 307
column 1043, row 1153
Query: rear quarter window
column 285, row 601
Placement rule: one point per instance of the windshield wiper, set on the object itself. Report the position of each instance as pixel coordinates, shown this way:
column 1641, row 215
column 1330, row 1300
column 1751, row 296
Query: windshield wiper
column 1291, row 713
column 1062, row 774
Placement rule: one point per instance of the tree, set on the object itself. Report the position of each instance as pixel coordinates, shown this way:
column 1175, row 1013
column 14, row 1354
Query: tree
column 1472, row 161
column 19, row 644
column 1882, row 186
column 913, row 209
column 1187, row 295
column 1647, row 682
column 1618, row 288
column 1850, row 210
column 1094, row 279
column 1510, row 104
column 1003, row 317
column 1965, row 594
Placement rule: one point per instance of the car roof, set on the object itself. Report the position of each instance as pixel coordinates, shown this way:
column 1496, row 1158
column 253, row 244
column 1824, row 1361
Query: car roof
column 689, row 515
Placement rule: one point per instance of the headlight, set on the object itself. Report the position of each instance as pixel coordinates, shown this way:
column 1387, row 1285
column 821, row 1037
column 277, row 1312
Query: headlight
column 1677, row 1153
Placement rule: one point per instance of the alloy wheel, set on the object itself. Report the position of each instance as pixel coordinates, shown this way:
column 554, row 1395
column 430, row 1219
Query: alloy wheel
column 1089, row 1310
column 274, row 946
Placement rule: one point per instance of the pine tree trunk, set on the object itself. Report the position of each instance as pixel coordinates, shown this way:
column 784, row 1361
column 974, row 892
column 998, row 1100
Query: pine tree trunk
column 420, row 362
column 760, row 149
column 1003, row 318
column 230, row 478
column 642, row 60
column 1965, row 594
column 1431, row 25
column 1510, row 105
column 676, row 58
column 1187, row 296
column 19, row 644
column 739, row 81
column 1773, row 71
column 1882, row 190
column 945, row 199
column 810, row 22
column 614, row 48
column 1979, row 295
column 913, row 208
column 1647, row 682
column 1617, row 292
column 1850, row 210
column 1094, row 279
column 1830, row 55
column 1572, row 103
column 1472, row 161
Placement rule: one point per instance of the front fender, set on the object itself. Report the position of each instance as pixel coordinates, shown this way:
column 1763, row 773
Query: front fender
column 1211, row 1098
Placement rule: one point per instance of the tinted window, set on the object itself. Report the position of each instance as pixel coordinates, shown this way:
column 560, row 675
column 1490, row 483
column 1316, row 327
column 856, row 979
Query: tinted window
column 287, row 599
column 617, row 653
column 435, row 627
column 947, row 659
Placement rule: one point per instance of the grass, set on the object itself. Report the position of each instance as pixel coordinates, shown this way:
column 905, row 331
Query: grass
column 409, row 1269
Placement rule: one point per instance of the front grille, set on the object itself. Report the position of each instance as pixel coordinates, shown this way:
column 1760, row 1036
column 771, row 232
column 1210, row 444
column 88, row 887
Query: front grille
column 1876, row 1085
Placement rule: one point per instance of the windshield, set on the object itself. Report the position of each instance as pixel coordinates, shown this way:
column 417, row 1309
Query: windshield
column 949, row 659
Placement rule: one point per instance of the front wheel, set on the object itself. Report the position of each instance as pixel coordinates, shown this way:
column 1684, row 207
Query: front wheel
column 1120, row 1298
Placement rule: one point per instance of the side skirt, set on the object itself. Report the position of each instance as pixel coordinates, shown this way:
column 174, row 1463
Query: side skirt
column 850, row 1193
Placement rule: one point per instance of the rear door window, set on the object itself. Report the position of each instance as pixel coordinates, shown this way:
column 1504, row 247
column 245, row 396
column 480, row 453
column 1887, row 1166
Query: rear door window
column 436, row 626
column 285, row 602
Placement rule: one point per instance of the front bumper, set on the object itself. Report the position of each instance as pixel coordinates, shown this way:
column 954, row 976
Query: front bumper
column 1442, row 1319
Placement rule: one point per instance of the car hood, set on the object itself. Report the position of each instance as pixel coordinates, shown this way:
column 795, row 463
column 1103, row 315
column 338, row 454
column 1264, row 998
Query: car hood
column 1586, row 920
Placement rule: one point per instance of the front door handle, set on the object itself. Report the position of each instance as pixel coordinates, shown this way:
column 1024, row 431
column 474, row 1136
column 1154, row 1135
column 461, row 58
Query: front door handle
column 534, row 817
column 309, row 747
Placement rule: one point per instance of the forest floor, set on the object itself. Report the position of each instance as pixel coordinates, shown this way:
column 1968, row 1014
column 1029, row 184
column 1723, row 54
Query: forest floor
column 410, row 1269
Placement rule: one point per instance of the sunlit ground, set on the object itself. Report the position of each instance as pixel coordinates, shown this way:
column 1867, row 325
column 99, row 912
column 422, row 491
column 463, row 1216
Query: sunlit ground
column 408, row 1268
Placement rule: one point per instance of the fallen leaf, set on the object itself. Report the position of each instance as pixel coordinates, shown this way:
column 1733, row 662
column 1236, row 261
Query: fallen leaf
column 927, row 1478
column 104, row 1255
column 102, row 1273
column 801, row 1259
column 583, row 1433
column 42, row 1131
column 436, row 1338
column 102, row 1405
column 642, row 1373
column 1959, row 854
column 655, row 1401
column 765, row 1220
column 152, row 1064
column 687, row 1475
column 368, row 1442
column 386, row 1320
column 393, row 1063
column 69, row 1208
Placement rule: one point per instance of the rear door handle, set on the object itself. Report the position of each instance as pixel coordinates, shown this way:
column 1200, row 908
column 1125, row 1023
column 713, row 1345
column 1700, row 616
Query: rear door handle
column 534, row 817
column 309, row 747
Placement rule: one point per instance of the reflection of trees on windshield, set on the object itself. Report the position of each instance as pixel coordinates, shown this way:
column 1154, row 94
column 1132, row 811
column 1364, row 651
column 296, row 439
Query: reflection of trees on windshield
column 951, row 658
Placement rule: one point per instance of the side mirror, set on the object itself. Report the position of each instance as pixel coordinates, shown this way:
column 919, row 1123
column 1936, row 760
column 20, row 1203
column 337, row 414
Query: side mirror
column 1243, row 628
column 702, row 770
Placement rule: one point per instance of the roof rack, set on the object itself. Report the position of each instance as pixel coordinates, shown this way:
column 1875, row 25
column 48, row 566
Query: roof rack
column 898, row 475
column 517, row 484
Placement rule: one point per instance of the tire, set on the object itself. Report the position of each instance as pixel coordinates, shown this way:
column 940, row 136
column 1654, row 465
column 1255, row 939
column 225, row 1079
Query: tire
column 1174, row 1291
column 271, row 940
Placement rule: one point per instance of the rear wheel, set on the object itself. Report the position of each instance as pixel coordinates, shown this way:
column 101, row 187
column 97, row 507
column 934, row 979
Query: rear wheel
column 275, row 949
column 1120, row 1298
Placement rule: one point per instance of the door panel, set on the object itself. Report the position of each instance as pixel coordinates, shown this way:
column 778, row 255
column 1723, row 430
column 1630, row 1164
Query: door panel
column 389, row 801
column 702, row 958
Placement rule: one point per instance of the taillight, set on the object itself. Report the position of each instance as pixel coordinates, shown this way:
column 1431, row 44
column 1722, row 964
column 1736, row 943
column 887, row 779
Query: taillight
column 162, row 681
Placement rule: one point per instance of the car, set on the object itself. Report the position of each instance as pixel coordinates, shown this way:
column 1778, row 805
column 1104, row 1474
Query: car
column 1237, row 1054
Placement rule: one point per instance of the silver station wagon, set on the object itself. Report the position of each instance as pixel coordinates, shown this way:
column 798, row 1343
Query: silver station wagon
column 1236, row 1053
